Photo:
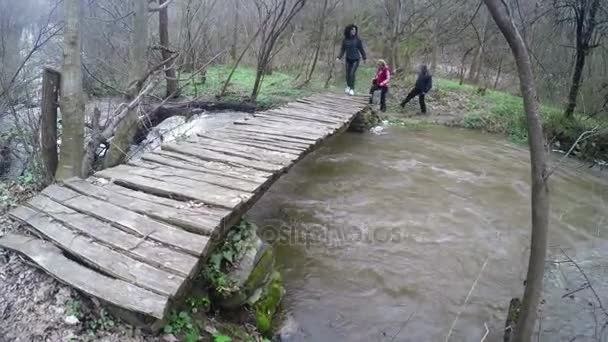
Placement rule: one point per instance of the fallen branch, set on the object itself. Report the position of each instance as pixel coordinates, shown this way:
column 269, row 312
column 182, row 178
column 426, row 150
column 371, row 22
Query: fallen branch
column 584, row 135
column 466, row 300
column 597, row 297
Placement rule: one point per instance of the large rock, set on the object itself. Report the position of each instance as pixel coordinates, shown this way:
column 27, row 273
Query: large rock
column 365, row 120
column 269, row 302
column 252, row 273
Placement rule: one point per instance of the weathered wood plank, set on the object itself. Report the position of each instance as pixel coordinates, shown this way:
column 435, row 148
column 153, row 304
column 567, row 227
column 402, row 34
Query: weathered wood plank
column 128, row 220
column 297, row 122
column 282, row 130
column 198, row 207
column 99, row 256
column 168, row 172
column 195, row 151
column 288, row 126
column 259, row 137
column 293, row 113
column 336, row 113
column 242, row 140
column 274, row 137
column 195, row 164
column 188, row 220
column 191, row 190
column 220, row 194
column 164, row 189
column 114, row 291
column 236, row 149
column 140, row 249
column 267, row 131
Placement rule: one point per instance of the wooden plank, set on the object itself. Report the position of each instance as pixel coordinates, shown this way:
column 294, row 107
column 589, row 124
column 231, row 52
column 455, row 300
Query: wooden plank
column 340, row 98
column 132, row 222
column 283, row 130
column 285, row 126
column 337, row 113
column 267, row 131
column 197, row 207
column 209, row 189
column 99, row 256
column 186, row 219
column 236, row 149
column 164, row 189
column 114, row 291
column 260, row 137
column 196, row 151
column 297, row 122
column 301, row 114
column 168, row 172
column 195, row 164
column 317, row 111
column 274, row 137
column 253, row 143
column 140, row 249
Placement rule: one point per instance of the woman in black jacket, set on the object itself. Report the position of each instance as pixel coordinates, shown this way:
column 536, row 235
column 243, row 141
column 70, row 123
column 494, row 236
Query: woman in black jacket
column 352, row 47
column 424, row 83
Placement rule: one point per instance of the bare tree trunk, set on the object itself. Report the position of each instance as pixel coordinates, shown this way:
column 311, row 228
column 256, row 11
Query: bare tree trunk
column 498, row 73
column 163, row 26
column 540, row 191
column 475, row 72
column 319, row 42
column 577, row 80
column 72, row 97
column 585, row 31
column 235, row 31
column 462, row 65
column 434, row 47
column 51, row 80
column 125, row 132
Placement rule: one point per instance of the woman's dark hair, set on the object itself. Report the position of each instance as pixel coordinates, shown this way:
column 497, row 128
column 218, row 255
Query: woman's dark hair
column 347, row 30
column 424, row 70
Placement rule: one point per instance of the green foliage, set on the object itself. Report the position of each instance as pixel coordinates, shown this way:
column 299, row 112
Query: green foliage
column 7, row 199
column 182, row 323
column 74, row 308
column 222, row 338
column 265, row 309
column 226, row 255
column 103, row 323
column 197, row 303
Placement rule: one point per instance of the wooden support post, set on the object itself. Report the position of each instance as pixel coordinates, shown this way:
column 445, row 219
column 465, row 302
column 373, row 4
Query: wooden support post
column 48, row 121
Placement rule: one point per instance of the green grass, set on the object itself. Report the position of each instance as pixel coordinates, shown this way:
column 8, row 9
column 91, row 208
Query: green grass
column 277, row 88
column 500, row 112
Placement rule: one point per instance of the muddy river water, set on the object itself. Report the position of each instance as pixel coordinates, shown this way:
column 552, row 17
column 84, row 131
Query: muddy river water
column 414, row 235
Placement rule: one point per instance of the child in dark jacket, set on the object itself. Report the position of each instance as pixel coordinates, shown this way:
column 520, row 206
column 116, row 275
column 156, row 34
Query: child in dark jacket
column 424, row 83
column 380, row 82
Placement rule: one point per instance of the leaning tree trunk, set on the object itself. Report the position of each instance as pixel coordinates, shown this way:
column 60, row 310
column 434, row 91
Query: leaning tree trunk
column 72, row 97
column 540, row 191
column 127, row 128
column 577, row 78
column 235, row 30
column 51, row 81
column 318, row 43
column 498, row 73
column 163, row 26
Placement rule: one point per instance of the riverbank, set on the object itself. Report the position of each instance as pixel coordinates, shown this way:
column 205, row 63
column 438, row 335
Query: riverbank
column 491, row 111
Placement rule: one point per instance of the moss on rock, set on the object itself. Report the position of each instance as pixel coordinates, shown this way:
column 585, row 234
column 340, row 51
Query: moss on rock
column 268, row 305
column 365, row 120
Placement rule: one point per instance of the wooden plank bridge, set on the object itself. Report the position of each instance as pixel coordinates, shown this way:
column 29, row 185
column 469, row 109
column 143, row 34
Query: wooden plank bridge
column 133, row 236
